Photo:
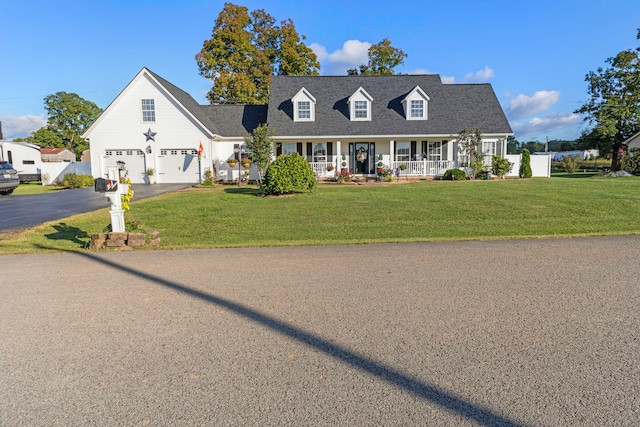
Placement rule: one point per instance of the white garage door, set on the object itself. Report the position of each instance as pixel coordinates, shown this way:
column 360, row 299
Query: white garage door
column 133, row 160
column 178, row 166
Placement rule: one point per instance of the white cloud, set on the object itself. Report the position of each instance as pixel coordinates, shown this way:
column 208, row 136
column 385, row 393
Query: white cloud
column 352, row 54
column 21, row 126
column 523, row 105
column 448, row 80
column 555, row 125
column 479, row 76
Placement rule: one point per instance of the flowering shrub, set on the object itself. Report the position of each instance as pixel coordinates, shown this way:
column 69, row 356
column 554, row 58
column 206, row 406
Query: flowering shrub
column 344, row 175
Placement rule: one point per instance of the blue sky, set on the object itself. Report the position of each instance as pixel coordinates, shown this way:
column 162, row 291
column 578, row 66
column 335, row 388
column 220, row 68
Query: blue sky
column 535, row 54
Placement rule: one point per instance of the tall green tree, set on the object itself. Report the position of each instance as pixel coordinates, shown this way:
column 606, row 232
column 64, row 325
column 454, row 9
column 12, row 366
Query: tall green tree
column 383, row 58
column 613, row 110
column 245, row 50
column 262, row 147
column 470, row 147
column 69, row 116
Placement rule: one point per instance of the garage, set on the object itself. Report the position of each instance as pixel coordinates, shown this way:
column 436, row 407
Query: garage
column 134, row 163
column 178, row 165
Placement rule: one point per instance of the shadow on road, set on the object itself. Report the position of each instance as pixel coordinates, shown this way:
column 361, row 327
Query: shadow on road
column 473, row 412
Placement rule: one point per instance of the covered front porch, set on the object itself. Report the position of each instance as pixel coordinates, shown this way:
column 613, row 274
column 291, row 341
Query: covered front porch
column 427, row 158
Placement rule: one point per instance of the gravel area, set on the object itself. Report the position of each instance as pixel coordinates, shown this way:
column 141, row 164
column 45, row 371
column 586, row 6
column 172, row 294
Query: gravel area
column 541, row 332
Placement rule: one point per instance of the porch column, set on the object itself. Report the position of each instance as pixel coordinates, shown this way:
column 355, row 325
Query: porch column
column 391, row 152
column 338, row 155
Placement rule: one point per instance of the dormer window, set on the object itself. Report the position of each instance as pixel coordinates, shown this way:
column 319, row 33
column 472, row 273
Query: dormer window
column 304, row 106
column 415, row 104
column 360, row 105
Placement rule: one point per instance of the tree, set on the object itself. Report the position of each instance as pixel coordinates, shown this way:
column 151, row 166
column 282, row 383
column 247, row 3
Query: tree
column 383, row 58
column 70, row 116
column 262, row 146
column 246, row 50
column 513, row 145
column 613, row 110
column 525, row 165
column 470, row 146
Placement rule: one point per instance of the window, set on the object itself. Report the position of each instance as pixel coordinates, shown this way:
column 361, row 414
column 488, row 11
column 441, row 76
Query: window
column 361, row 109
column 304, row 109
column 434, row 150
column 417, row 108
column 28, row 162
column 148, row 110
column 489, row 148
column 289, row 148
column 320, row 152
column 403, row 151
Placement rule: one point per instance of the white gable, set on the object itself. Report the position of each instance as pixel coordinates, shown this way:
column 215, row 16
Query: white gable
column 416, row 104
column 304, row 106
column 634, row 141
column 360, row 105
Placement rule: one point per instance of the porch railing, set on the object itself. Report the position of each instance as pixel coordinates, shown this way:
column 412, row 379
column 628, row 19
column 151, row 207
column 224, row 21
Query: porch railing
column 414, row 168
column 424, row 167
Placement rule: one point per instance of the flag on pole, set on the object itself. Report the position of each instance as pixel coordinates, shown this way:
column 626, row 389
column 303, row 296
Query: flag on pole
column 200, row 151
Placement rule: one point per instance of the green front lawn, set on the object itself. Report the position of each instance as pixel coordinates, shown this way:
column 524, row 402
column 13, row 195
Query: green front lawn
column 346, row 214
column 35, row 188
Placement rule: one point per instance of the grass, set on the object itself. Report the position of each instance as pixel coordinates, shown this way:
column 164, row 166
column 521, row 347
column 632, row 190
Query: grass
column 347, row 214
column 35, row 188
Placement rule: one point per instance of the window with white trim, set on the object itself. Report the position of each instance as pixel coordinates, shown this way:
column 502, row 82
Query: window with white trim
column 361, row 109
column 304, row 110
column 434, row 150
column 148, row 110
column 320, row 152
column 403, row 151
column 289, row 148
column 417, row 108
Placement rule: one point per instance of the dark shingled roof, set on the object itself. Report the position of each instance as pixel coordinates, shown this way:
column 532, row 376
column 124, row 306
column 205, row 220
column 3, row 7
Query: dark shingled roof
column 451, row 108
column 236, row 120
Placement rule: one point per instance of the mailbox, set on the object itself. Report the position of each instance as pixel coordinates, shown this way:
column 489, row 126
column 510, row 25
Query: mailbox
column 100, row 185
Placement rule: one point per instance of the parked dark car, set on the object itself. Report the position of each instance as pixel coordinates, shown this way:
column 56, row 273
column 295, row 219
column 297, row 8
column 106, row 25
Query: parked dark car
column 9, row 179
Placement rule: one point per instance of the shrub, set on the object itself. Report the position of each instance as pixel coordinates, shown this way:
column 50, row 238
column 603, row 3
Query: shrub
column 570, row 164
column 525, row 165
column 73, row 180
column 500, row 167
column 631, row 161
column 288, row 174
column 455, row 175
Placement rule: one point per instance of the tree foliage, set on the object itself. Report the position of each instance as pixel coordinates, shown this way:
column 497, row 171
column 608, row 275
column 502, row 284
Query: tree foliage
column 631, row 161
column 470, row 147
column 246, row 50
column 613, row 110
column 262, row 146
column 383, row 58
column 69, row 116
column 525, row 165
column 500, row 166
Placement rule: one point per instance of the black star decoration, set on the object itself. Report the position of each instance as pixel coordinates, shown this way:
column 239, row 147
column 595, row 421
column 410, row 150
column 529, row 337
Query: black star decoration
column 150, row 135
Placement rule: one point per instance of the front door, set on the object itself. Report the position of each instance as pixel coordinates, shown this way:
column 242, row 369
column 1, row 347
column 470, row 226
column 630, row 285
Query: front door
column 362, row 156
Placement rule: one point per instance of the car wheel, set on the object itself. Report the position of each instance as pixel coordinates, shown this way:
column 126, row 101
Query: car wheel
column 6, row 192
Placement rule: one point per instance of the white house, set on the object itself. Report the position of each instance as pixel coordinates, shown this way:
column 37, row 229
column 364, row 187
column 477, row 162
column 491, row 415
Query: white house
column 634, row 141
column 24, row 157
column 350, row 122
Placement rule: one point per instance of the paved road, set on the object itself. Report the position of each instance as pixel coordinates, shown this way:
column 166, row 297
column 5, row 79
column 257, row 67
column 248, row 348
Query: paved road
column 531, row 332
column 29, row 210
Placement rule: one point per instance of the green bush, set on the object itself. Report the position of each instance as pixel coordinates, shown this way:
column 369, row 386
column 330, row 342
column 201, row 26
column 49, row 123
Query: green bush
column 288, row 174
column 500, row 167
column 73, row 180
column 570, row 164
column 631, row 161
column 455, row 175
column 525, row 165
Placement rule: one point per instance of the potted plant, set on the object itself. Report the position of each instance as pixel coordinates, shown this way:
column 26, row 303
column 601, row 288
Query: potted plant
column 245, row 162
column 150, row 173
column 232, row 162
column 330, row 167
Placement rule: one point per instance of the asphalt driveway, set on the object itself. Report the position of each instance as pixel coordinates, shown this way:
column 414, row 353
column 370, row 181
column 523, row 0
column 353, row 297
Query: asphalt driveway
column 29, row 210
column 530, row 332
